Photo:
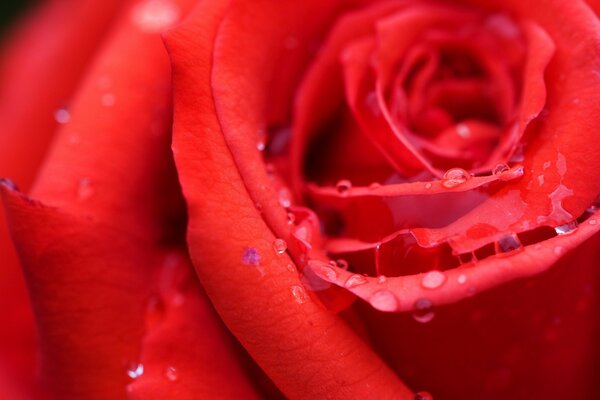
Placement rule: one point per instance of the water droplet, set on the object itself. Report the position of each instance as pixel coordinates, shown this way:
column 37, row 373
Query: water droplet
column 423, row 396
column 108, row 100
column 285, row 197
column 85, row 189
column 299, row 294
column 280, row 246
column 462, row 278
column 251, row 256
column 433, row 279
column 593, row 222
column 454, row 177
column 135, row 370
column 463, row 131
column 384, row 300
column 508, row 243
column 513, row 173
column 381, row 279
column 558, row 250
column 291, row 267
column 500, row 168
column 374, row 185
column 326, row 273
column 355, row 280
column 291, row 218
column 261, row 146
column 423, row 311
column 343, row 186
column 567, row 228
column 155, row 15
column 62, row 116
column 171, row 373
column 428, row 185
column 341, row 263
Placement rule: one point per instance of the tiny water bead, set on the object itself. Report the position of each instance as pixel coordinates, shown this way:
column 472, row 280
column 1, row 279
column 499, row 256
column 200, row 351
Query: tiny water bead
column 423, row 311
column 461, row 279
column 355, row 280
column 171, row 373
column 326, row 273
column 508, row 243
column 423, row 396
column 567, row 228
column 341, row 263
column 280, row 246
column 428, row 185
column 593, row 222
column 384, row 300
column 62, row 116
column 463, row 131
column 500, row 168
column 381, row 279
column 433, row 279
column 454, row 177
column 299, row 294
column 343, row 186
column 135, row 370
column 251, row 256
column 559, row 250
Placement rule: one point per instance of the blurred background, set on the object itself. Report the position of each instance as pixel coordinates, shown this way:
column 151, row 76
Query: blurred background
column 9, row 10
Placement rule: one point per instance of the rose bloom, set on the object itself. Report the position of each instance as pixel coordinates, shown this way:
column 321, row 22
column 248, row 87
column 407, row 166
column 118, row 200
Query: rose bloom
column 344, row 199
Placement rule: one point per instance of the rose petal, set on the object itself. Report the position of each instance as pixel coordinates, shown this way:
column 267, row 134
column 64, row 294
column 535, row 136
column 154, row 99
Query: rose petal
column 267, row 315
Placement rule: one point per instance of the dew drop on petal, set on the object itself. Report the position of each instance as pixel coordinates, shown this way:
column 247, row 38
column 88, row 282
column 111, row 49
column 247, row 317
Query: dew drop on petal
column 462, row 279
column 508, row 243
column 384, row 300
column 423, row 396
column 428, row 185
column 285, row 197
column 381, row 279
column 463, row 131
column 171, row 373
column 559, row 250
column 280, row 246
column 454, row 177
column 62, row 116
column 500, row 168
column 155, row 15
column 423, row 311
column 374, row 185
column 291, row 218
column 343, row 186
column 299, row 294
column 513, row 173
column 355, row 280
column 326, row 273
column 567, row 228
column 341, row 263
column 433, row 279
column 135, row 370
column 85, row 190
column 593, row 222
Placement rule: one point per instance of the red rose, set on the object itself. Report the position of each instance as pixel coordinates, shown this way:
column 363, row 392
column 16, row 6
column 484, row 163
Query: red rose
column 431, row 160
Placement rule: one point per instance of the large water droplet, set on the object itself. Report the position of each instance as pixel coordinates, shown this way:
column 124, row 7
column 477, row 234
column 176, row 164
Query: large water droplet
column 62, row 116
column 423, row 311
column 355, row 280
column 155, row 15
column 299, row 294
column 171, row 373
column 280, row 246
column 135, row 370
column 343, row 186
column 326, row 273
column 384, row 300
column 567, row 228
column 85, row 190
column 433, row 279
column 508, row 243
column 454, row 177
column 251, row 256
